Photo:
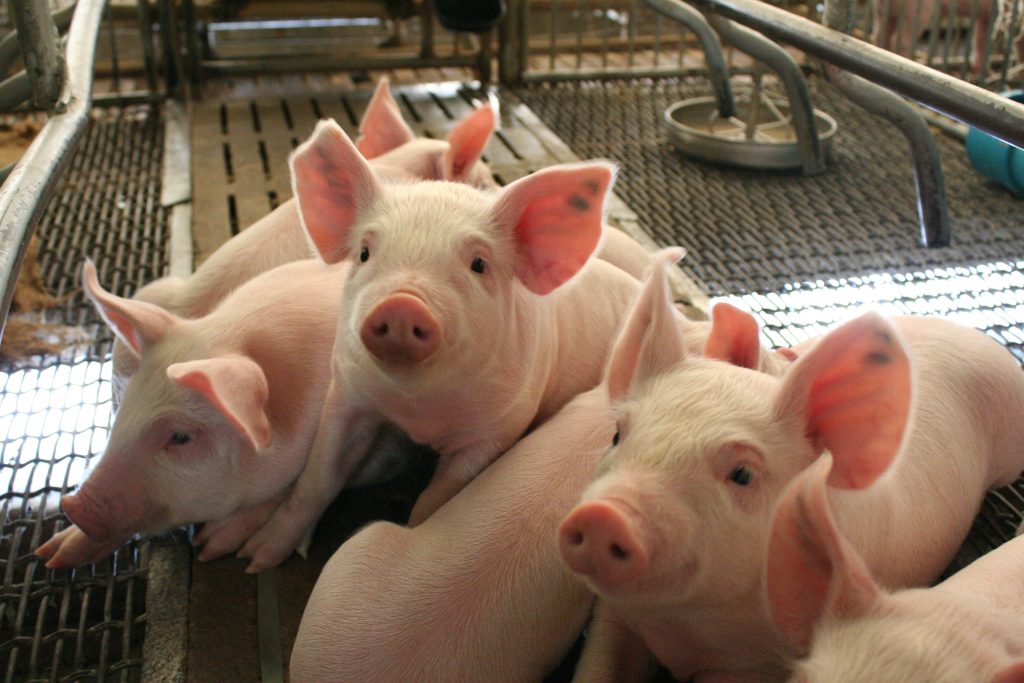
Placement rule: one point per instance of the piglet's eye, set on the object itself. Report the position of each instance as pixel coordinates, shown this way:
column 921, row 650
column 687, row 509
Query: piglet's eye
column 179, row 439
column 478, row 265
column 742, row 475
column 364, row 254
column 615, row 439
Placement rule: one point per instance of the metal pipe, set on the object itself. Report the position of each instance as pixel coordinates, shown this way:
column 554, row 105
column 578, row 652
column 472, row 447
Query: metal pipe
column 932, row 208
column 24, row 195
column 14, row 91
column 709, row 43
column 9, row 50
column 812, row 155
column 327, row 63
column 37, row 37
column 996, row 115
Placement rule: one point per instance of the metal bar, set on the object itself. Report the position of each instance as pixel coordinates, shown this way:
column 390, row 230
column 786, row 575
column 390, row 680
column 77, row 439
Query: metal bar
column 9, row 50
column 510, row 66
column 39, row 50
column 709, row 43
column 606, row 32
column 631, row 30
column 553, row 34
column 23, row 197
column 324, row 63
column 269, row 627
column 996, row 115
column 146, row 39
column 599, row 74
column 579, row 33
column 932, row 209
column 812, row 154
column 14, row 91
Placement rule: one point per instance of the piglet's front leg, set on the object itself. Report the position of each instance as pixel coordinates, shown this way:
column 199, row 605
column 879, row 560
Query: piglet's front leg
column 343, row 438
column 613, row 653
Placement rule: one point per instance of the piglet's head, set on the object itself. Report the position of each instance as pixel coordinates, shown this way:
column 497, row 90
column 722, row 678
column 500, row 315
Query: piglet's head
column 679, row 505
column 444, row 273
column 184, row 439
column 846, row 628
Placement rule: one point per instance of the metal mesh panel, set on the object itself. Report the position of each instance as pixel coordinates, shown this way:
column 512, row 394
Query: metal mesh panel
column 757, row 231
column 87, row 624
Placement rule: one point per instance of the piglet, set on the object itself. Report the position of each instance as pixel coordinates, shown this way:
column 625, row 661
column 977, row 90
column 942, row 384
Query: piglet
column 673, row 531
column 467, row 318
column 278, row 238
column 476, row 592
column 848, row 628
column 219, row 418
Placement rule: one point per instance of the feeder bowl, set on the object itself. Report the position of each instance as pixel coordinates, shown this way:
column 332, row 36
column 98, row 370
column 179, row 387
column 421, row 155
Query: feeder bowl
column 769, row 141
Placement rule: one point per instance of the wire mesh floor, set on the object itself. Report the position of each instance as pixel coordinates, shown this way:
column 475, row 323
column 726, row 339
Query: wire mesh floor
column 88, row 624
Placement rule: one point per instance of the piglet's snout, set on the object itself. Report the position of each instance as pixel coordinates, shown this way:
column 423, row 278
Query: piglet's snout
column 599, row 542
column 401, row 329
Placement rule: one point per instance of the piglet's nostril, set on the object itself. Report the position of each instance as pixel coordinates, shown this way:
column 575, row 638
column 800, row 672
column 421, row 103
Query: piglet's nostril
column 381, row 329
column 419, row 333
column 618, row 552
column 576, row 538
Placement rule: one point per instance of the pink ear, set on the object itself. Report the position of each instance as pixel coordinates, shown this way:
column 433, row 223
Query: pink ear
column 812, row 572
column 853, row 388
column 1011, row 674
column 555, row 216
column 138, row 324
column 235, row 386
column 382, row 128
column 735, row 337
column 466, row 143
column 651, row 341
column 334, row 185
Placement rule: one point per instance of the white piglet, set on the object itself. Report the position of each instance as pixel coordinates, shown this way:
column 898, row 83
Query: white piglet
column 218, row 419
column 847, row 628
column 673, row 532
column 467, row 318
column 477, row 592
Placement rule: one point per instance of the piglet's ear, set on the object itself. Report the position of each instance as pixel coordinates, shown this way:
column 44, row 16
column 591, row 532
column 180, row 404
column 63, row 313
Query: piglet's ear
column 812, row 572
column 652, row 340
column 555, row 217
column 466, row 143
column 853, row 391
column 334, row 186
column 235, row 386
column 1011, row 674
column 137, row 323
column 735, row 337
column 382, row 128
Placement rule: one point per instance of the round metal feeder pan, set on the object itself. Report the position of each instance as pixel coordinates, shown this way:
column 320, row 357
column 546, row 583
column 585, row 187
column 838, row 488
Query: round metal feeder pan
column 698, row 131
